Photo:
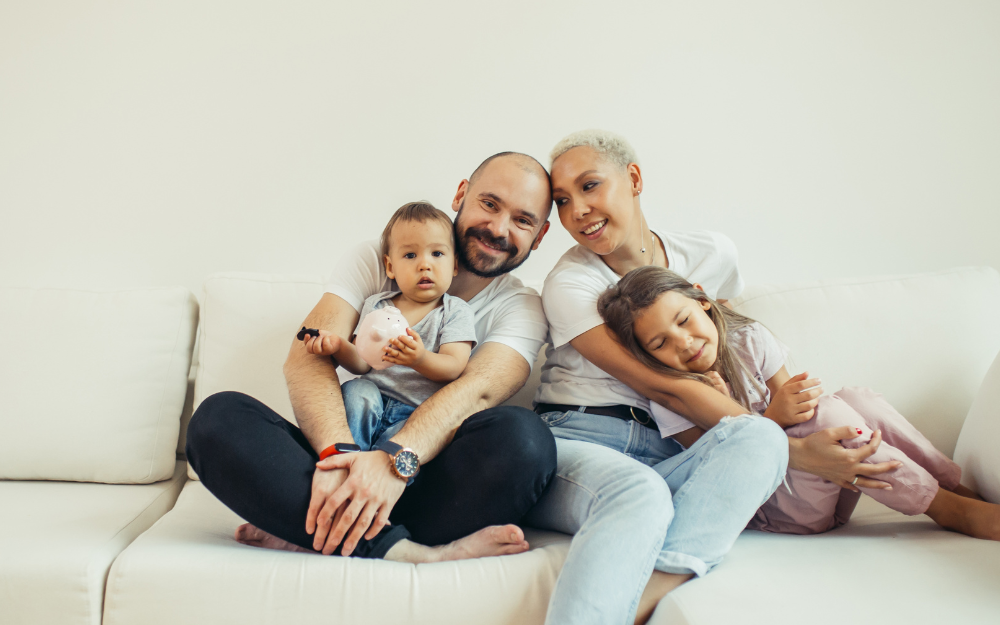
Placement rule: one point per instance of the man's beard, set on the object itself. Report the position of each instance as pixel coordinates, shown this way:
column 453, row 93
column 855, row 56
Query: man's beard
column 480, row 263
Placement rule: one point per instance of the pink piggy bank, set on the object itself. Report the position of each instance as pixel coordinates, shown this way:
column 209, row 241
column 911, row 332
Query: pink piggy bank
column 374, row 333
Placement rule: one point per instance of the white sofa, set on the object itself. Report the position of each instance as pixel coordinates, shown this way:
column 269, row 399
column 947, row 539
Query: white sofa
column 91, row 390
column 925, row 341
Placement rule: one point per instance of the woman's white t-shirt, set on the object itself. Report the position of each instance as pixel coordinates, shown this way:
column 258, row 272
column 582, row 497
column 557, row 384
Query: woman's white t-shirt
column 570, row 300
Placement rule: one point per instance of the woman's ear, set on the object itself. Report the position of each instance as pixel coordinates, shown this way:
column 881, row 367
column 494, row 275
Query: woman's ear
column 388, row 267
column 635, row 177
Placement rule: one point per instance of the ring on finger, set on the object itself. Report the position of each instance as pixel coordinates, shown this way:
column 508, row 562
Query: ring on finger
column 855, row 482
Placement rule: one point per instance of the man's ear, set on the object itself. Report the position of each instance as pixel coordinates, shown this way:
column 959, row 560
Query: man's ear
column 635, row 177
column 463, row 188
column 388, row 267
column 455, row 273
column 541, row 233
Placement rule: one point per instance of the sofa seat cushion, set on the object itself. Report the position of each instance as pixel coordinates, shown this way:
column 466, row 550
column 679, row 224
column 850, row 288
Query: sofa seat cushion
column 882, row 567
column 58, row 540
column 189, row 569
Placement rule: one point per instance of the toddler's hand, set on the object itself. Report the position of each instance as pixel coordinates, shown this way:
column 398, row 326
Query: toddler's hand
column 326, row 344
column 795, row 402
column 719, row 384
column 406, row 349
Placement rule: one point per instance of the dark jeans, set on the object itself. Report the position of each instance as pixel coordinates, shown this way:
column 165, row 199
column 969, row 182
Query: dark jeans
column 261, row 466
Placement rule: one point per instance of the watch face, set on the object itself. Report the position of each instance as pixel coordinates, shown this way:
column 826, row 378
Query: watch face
column 407, row 464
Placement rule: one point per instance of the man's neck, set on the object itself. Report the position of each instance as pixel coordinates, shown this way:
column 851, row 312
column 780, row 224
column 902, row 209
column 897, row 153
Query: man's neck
column 467, row 285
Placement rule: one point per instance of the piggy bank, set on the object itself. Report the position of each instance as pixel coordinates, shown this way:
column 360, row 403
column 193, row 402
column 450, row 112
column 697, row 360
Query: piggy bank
column 374, row 333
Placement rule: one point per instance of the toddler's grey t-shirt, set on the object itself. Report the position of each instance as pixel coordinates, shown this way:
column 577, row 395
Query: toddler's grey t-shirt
column 451, row 322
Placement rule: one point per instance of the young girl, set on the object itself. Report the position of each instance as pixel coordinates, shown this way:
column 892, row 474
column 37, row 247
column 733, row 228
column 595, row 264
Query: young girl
column 672, row 327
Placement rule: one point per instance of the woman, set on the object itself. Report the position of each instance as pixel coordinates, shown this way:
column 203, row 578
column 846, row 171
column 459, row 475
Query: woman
column 595, row 396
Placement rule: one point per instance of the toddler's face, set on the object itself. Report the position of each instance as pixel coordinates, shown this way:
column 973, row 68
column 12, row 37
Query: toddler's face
column 677, row 331
column 421, row 259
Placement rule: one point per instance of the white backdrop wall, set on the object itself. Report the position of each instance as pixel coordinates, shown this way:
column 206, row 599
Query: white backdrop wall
column 156, row 142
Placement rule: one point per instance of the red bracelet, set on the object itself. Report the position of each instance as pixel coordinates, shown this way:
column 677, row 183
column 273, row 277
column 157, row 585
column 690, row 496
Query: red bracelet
column 329, row 451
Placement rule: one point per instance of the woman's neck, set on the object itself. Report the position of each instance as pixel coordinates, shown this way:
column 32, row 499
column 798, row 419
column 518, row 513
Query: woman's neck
column 640, row 249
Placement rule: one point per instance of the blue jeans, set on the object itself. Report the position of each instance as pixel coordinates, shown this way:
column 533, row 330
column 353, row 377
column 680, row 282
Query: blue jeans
column 637, row 502
column 372, row 417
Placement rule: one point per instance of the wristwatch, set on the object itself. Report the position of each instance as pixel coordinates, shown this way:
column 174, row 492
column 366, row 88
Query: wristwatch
column 404, row 461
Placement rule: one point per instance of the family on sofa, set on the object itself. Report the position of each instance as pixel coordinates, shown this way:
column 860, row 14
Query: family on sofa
column 665, row 423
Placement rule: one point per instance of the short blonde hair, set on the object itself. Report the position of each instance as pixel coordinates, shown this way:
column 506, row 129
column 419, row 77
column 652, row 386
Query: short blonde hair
column 613, row 147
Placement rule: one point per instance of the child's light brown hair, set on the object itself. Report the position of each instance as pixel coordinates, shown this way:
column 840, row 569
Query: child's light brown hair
column 638, row 290
column 415, row 211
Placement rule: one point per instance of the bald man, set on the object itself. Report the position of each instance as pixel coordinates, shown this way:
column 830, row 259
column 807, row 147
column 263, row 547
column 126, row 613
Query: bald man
column 482, row 466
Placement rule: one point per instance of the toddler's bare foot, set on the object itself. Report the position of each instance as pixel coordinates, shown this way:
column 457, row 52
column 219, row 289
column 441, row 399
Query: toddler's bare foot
column 248, row 534
column 496, row 540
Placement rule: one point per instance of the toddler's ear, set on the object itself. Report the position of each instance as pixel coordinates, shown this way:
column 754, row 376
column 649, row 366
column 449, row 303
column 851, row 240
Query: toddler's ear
column 388, row 267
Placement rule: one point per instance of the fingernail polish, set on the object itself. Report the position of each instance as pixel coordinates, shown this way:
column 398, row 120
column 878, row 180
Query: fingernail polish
column 858, row 430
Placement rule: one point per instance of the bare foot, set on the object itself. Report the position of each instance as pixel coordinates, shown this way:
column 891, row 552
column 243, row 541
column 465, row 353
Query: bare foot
column 248, row 534
column 979, row 519
column 496, row 540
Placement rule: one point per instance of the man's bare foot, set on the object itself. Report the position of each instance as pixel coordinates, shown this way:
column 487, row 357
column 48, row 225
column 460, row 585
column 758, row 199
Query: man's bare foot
column 979, row 519
column 496, row 540
column 248, row 534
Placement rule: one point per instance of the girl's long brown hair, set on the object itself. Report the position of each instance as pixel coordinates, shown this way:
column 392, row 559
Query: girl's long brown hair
column 638, row 290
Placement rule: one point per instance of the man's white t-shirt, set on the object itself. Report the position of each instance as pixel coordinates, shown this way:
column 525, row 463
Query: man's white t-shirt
column 506, row 311
column 570, row 300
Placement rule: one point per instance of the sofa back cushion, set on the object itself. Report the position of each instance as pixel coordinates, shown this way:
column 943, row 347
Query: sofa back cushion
column 978, row 448
column 93, row 383
column 924, row 341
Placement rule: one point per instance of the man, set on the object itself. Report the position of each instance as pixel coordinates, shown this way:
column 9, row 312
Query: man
column 482, row 466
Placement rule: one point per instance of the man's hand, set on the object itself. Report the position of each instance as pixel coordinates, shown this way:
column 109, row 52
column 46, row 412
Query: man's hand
column 406, row 349
column 370, row 490
column 822, row 454
column 795, row 401
column 719, row 384
column 326, row 344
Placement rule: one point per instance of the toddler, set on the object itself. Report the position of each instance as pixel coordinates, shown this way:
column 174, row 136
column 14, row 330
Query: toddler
column 674, row 328
column 418, row 249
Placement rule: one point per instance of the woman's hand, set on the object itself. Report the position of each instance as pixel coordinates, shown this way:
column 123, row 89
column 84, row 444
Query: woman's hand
column 795, row 401
column 822, row 454
column 719, row 384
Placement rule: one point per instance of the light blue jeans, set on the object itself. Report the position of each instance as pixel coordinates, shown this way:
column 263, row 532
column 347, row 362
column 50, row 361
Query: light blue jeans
column 635, row 502
column 372, row 416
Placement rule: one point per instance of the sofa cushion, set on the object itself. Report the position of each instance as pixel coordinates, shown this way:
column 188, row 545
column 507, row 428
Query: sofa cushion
column 93, row 383
column 978, row 448
column 189, row 569
column 923, row 341
column 882, row 567
column 58, row 540
column 248, row 322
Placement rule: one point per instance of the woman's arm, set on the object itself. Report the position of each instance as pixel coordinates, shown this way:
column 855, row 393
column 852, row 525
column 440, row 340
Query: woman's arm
column 820, row 454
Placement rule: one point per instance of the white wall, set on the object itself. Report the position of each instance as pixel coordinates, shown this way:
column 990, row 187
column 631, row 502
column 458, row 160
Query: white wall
column 155, row 143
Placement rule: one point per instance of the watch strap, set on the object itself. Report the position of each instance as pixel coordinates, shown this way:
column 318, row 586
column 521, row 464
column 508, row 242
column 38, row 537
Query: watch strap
column 390, row 448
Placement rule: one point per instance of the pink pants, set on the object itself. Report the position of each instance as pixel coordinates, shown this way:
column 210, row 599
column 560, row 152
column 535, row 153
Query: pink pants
column 810, row 504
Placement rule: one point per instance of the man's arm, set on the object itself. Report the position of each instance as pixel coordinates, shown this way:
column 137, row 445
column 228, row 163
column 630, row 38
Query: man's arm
column 494, row 373
column 313, row 386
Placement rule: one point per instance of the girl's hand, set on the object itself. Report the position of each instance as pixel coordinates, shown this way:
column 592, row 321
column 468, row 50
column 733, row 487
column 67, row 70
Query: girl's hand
column 795, row 401
column 406, row 349
column 719, row 384
column 326, row 344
